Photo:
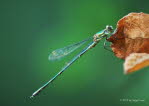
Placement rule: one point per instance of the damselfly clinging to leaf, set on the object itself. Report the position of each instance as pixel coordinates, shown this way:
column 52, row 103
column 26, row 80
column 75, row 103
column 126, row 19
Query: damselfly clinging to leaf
column 59, row 53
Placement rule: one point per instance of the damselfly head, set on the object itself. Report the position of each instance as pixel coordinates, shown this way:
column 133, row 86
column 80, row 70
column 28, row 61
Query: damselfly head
column 109, row 29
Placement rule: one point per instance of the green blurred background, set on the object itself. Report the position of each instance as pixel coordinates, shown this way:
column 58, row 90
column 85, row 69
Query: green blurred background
column 31, row 29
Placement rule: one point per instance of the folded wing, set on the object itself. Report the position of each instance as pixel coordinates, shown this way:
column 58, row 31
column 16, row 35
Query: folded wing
column 62, row 52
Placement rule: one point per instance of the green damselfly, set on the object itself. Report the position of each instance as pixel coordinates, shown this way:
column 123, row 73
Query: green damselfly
column 59, row 53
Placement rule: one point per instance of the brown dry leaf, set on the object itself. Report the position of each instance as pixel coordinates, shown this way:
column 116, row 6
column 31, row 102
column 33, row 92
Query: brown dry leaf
column 132, row 36
column 136, row 61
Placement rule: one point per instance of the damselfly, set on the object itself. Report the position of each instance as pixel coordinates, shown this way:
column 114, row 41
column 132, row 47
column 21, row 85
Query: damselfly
column 59, row 53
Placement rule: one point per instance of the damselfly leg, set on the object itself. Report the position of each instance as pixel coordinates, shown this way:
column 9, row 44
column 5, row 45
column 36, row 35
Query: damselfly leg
column 106, row 47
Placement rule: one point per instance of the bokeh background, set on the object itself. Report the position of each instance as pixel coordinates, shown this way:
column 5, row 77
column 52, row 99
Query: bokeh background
column 31, row 29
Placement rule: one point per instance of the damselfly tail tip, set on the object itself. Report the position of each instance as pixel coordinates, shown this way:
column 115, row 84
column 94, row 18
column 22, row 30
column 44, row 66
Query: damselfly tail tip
column 31, row 97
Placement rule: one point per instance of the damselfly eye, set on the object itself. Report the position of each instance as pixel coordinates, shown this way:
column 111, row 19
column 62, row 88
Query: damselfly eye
column 109, row 28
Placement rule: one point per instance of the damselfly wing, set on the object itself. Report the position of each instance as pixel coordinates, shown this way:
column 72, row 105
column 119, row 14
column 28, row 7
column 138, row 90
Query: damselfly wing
column 62, row 52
